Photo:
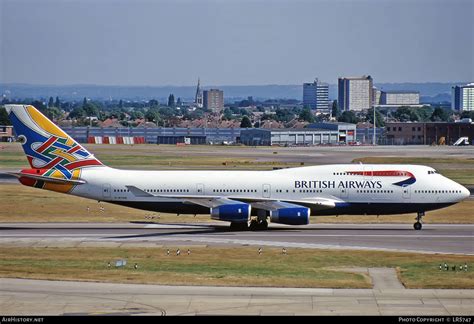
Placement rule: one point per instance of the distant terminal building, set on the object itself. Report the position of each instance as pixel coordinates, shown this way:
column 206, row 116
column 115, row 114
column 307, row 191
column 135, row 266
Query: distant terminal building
column 316, row 96
column 290, row 137
column 463, row 97
column 355, row 93
column 213, row 99
column 428, row 133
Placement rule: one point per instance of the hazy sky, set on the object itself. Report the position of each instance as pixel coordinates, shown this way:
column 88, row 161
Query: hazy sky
column 234, row 42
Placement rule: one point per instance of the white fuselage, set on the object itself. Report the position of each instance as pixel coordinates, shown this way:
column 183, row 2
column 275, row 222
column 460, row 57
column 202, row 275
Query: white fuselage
column 355, row 188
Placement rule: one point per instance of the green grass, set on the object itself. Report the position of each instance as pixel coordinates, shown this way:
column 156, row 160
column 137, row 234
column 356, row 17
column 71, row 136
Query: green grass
column 414, row 160
column 13, row 159
column 189, row 162
column 154, row 157
column 236, row 266
column 462, row 176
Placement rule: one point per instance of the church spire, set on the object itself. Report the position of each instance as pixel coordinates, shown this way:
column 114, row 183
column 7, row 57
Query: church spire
column 198, row 99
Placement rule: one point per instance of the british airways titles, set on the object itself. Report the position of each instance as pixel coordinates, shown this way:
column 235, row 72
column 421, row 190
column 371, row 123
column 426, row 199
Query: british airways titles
column 342, row 184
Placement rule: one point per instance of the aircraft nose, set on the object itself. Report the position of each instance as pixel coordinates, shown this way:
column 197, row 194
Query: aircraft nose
column 465, row 192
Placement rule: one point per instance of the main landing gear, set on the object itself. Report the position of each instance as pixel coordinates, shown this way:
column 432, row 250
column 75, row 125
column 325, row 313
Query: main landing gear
column 258, row 225
column 417, row 226
column 255, row 225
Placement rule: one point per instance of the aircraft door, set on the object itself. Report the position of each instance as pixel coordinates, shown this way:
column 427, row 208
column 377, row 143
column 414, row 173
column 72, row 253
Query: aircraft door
column 106, row 190
column 200, row 189
column 344, row 193
column 266, row 191
column 406, row 193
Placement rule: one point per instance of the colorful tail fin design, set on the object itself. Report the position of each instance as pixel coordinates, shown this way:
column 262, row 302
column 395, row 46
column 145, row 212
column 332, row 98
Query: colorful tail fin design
column 46, row 146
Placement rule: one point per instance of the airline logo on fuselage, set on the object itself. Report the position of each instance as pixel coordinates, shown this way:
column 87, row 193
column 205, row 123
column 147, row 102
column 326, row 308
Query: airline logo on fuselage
column 388, row 173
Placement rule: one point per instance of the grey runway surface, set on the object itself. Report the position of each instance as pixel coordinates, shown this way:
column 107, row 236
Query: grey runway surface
column 41, row 297
column 433, row 238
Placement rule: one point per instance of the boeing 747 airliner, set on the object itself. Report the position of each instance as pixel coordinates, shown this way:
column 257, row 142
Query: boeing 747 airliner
column 243, row 198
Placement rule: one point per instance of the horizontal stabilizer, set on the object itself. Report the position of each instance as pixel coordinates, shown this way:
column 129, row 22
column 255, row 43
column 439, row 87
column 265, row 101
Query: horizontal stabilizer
column 47, row 179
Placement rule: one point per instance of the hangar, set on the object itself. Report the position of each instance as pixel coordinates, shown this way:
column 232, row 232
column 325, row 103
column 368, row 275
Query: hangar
column 288, row 137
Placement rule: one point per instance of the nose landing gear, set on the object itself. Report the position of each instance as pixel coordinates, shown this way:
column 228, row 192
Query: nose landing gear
column 417, row 226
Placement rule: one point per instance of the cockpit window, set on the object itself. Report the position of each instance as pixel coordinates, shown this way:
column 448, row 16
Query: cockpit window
column 432, row 172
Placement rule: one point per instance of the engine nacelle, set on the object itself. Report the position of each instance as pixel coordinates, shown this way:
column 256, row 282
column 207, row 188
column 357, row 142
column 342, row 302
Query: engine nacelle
column 291, row 216
column 235, row 213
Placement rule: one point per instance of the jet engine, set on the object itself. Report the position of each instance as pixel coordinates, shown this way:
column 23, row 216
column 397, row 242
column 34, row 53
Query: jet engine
column 291, row 215
column 235, row 213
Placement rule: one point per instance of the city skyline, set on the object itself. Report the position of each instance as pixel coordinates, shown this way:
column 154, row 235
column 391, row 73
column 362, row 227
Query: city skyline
column 145, row 43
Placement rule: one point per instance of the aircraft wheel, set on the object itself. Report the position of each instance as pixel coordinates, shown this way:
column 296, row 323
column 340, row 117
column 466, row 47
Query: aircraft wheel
column 417, row 226
column 263, row 225
column 254, row 226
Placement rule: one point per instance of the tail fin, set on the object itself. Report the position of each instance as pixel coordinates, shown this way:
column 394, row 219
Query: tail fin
column 46, row 146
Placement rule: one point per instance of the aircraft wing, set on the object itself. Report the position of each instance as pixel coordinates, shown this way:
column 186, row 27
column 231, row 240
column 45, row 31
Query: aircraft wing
column 272, row 205
column 209, row 202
